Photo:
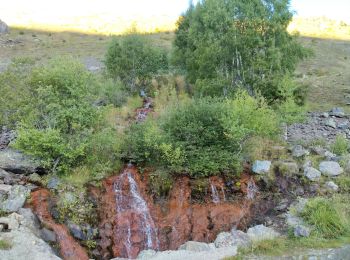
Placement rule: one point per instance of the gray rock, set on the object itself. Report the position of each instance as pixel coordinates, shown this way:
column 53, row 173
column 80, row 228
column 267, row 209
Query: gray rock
column 3, row 27
column 261, row 167
column 53, row 183
column 330, row 156
column 214, row 254
column 240, row 239
column 343, row 125
column 195, row 246
column 5, row 188
column 337, row 112
column 331, row 186
column 329, row 168
column 325, row 115
column 261, row 232
column 318, row 150
column 224, row 239
column 312, row 174
column 16, row 162
column 282, row 205
column 16, row 199
column 301, row 231
column 306, row 164
column 24, row 243
column 76, row 231
column 146, row 254
column 331, row 123
column 299, row 151
column 47, row 235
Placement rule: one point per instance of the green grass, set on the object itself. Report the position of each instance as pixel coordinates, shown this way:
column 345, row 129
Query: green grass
column 5, row 245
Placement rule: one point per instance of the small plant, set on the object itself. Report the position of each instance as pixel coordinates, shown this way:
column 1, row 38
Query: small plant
column 290, row 112
column 5, row 245
column 322, row 214
column 340, row 145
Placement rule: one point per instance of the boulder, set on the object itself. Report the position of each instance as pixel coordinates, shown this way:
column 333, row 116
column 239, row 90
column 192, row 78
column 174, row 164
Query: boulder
column 261, row 232
column 301, row 231
column 24, row 243
column 330, row 168
column 214, row 254
column 337, row 112
column 15, row 199
column 3, row 27
column 195, row 246
column 47, row 235
column 16, row 162
column 331, row 123
column 261, row 167
column 312, row 174
column 299, row 151
column 331, row 186
column 53, row 183
column 224, row 239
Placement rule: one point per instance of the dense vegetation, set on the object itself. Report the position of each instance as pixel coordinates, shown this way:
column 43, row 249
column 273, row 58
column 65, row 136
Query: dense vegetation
column 224, row 45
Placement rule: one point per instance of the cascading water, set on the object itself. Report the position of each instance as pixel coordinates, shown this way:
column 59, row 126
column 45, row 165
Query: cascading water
column 130, row 205
column 214, row 194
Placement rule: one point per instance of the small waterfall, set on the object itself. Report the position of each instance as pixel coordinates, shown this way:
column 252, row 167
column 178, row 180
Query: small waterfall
column 131, row 205
column 214, row 194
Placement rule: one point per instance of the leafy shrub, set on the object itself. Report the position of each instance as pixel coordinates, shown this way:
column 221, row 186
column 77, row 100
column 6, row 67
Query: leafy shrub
column 340, row 145
column 134, row 60
column 290, row 112
column 62, row 116
column 325, row 217
column 244, row 42
column 201, row 137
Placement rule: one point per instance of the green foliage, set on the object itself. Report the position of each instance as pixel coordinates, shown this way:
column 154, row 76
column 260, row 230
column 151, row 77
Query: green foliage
column 5, row 244
column 160, row 183
column 244, row 42
column 325, row 217
column 289, row 112
column 201, row 137
column 108, row 91
column 134, row 60
column 340, row 145
column 15, row 96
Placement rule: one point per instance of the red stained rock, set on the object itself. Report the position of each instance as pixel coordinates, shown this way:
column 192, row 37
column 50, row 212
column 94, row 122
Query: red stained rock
column 69, row 248
column 179, row 221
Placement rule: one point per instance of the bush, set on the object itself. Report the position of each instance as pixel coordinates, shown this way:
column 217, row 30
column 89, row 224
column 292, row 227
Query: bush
column 289, row 112
column 201, row 137
column 244, row 42
column 134, row 60
column 62, row 117
column 108, row 91
column 326, row 217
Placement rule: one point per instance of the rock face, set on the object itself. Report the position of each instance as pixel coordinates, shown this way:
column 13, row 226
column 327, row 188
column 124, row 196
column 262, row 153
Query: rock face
column 25, row 244
column 16, row 198
column 69, row 248
column 261, row 167
column 3, row 27
column 127, row 211
column 329, row 168
column 16, row 162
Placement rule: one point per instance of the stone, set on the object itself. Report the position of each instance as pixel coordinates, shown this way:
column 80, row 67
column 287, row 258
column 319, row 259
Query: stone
column 3, row 27
column 318, row 150
column 224, row 239
column 261, row 167
column 330, row 156
column 214, row 254
column 330, row 168
column 146, row 254
column 53, row 183
column 331, row 123
column 195, row 246
column 240, row 239
column 331, row 186
column 282, row 205
column 5, row 188
column 76, row 231
column 312, row 174
column 299, row 151
column 24, row 243
column 261, row 232
column 307, row 163
column 16, row 199
column 16, row 162
column 325, row 115
column 343, row 125
column 337, row 112
column 301, row 231
column 47, row 235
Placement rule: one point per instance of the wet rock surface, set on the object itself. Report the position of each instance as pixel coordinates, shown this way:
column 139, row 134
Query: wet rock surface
column 16, row 162
column 178, row 221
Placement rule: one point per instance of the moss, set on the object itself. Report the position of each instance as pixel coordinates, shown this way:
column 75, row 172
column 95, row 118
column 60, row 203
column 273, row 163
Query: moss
column 5, row 244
